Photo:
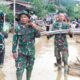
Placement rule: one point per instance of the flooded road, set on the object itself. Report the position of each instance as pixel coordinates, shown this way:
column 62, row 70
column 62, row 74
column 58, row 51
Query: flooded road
column 44, row 68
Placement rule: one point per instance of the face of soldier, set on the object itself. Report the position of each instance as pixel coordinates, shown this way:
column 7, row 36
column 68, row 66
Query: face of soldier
column 61, row 17
column 24, row 19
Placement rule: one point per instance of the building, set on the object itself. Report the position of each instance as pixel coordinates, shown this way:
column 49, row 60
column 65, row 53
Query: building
column 20, row 5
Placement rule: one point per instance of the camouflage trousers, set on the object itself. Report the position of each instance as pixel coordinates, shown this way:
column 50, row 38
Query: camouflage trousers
column 61, row 53
column 2, row 54
column 61, row 49
column 24, row 62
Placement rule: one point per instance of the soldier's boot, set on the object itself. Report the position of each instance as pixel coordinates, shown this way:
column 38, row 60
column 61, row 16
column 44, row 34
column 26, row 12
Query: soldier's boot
column 59, row 67
column 58, row 61
column 1, row 65
column 19, row 74
column 29, row 72
column 1, row 59
column 66, row 67
column 59, row 64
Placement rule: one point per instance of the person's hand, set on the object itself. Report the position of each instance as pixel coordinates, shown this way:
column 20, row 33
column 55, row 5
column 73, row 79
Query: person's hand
column 50, row 36
column 15, row 55
column 70, row 33
column 44, row 33
column 35, row 26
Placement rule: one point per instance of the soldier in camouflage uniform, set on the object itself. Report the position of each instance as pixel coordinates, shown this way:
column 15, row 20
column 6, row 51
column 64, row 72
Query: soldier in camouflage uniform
column 3, row 35
column 60, row 42
column 24, row 38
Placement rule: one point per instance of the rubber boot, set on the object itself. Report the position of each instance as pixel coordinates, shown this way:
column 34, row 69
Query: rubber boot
column 59, row 67
column 66, row 68
column 29, row 72
column 2, row 59
column 19, row 74
column 59, row 64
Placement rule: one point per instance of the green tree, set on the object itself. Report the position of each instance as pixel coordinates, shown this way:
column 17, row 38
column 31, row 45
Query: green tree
column 26, row 0
column 51, row 7
column 64, row 2
column 39, row 7
column 9, row 13
column 73, row 11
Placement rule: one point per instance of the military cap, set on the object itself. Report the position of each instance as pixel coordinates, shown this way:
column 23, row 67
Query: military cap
column 23, row 12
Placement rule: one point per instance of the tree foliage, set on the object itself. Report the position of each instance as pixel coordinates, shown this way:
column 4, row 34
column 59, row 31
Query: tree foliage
column 6, row 10
column 73, row 11
column 51, row 7
column 39, row 7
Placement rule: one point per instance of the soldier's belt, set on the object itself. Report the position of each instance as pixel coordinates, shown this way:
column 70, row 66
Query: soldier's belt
column 62, row 31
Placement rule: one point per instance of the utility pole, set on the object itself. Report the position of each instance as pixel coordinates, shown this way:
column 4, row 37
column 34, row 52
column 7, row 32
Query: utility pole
column 14, row 11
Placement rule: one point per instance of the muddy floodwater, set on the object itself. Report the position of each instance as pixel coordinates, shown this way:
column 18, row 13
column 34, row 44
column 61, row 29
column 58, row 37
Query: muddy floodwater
column 44, row 68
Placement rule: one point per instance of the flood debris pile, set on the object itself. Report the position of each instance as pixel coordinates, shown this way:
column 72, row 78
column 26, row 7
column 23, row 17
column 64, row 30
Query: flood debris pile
column 74, row 68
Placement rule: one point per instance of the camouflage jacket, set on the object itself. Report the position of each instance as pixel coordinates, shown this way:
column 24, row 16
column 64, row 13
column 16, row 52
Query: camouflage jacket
column 24, row 38
column 60, row 39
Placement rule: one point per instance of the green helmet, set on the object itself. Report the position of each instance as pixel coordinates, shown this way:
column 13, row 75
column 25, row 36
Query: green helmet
column 24, row 12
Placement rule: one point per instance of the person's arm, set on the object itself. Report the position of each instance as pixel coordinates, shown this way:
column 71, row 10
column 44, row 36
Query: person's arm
column 37, row 34
column 50, row 36
column 14, row 45
column 35, row 26
column 69, row 33
column 5, row 34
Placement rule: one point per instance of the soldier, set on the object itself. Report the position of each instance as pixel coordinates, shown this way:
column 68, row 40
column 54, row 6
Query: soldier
column 1, row 20
column 24, row 38
column 3, row 35
column 60, row 42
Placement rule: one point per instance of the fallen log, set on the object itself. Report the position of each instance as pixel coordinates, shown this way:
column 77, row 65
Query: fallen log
column 62, row 31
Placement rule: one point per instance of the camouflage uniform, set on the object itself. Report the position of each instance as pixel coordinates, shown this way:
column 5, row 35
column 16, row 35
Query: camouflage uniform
column 25, row 39
column 60, row 42
column 3, row 35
